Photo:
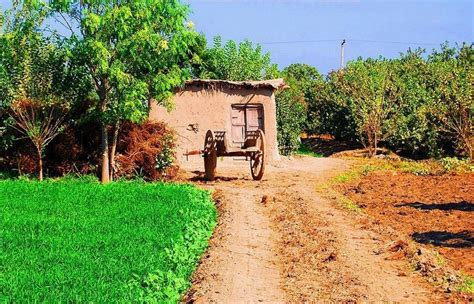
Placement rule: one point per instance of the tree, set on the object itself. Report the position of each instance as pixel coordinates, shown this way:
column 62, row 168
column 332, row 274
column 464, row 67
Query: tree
column 368, row 91
column 35, row 77
column 292, row 104
column 237, row 62
column 304, row 78
column 291, row 116
column 135, row 52
column 453, row 103
column 413, row 131
column 40, row 122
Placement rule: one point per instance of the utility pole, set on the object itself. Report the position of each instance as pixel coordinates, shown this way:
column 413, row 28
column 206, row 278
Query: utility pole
column 342, row 53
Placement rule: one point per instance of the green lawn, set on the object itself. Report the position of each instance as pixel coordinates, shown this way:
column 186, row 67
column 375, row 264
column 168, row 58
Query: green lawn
column 79, row 241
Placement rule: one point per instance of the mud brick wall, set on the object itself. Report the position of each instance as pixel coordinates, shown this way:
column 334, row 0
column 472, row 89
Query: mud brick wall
column 199, row 107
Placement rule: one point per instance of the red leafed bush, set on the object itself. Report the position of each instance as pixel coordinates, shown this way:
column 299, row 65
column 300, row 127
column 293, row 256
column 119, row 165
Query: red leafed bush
column 25, row 163
column 146, row 151
column 20, row 159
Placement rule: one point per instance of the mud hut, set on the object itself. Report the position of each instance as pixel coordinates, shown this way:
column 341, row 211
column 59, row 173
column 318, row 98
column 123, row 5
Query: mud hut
column 218, row 105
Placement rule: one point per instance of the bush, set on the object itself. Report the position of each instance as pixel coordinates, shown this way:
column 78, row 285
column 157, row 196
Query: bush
column 146, row 151
column 326, row 114
column 143, row 151
column 292, row 105
column 291, row 115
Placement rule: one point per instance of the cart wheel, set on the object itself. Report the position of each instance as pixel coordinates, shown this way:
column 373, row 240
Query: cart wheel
column 257, row 161
column 210, row 156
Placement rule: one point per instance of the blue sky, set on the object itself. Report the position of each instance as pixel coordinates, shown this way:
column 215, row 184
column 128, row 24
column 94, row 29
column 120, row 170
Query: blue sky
column 310, row 31
column 389, row 27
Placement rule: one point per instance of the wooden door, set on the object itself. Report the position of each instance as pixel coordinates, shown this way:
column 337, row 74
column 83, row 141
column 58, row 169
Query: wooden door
column 254, row 118
column 245, row 118
column 238, row 125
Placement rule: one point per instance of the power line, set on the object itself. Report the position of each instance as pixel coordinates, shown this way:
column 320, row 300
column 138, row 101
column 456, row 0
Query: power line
column 300, row 41
column 350, row 40
column 394, row 42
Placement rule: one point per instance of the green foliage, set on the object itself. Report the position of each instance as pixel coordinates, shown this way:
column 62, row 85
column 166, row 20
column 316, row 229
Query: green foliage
column 327, row 114
column 452, row 105
column 454, row 163
column 292, row 105
column 291, row 115
column 413, row 130
column 419, row 105
column 78, row 241
column 367, row 91
column 165, row 159
column 238, row 62
column 135, row 51
column 35, row 83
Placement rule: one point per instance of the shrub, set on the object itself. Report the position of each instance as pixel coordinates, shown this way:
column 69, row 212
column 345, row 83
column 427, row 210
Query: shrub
column 326, row 114
column 453, row 163
column 291, row 115
column 146, row 151
column 292, row 105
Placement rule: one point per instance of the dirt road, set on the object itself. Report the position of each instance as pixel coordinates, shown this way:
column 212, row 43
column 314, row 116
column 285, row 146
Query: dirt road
column 279, row 240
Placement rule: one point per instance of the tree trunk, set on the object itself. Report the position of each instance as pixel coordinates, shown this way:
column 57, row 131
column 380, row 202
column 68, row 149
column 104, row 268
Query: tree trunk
column 470, row 149
column 370, row 144
column 375, row 144
column 113, row 149
column 40, row 164
column 104, row 150
column 104, row 136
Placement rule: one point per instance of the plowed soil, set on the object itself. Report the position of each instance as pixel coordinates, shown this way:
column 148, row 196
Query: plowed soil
column 280, row 240
column 436, row 211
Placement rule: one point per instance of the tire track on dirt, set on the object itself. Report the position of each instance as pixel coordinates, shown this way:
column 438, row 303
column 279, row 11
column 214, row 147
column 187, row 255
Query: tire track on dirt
column 240, row 265
column 293, row 245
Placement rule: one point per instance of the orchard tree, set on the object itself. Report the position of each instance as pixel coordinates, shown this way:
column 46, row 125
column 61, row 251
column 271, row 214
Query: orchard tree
column 453, row 102
column 304, row 79
column 135, row 52
column 291, row 116
column 413, row 129
column 237, row 62
column 368, row 92
column 292, row 104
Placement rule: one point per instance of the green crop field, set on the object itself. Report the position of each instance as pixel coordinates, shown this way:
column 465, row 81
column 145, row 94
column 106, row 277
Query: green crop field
column 79, row 241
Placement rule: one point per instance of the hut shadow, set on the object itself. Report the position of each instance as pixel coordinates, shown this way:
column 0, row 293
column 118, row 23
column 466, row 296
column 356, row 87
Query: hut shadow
column 461, row 206
column 463, row 239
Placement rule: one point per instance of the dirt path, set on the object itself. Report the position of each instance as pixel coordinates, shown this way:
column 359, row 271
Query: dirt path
column 279, row 240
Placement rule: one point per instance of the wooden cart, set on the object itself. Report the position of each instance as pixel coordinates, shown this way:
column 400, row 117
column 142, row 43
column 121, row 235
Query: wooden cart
column 216, row 145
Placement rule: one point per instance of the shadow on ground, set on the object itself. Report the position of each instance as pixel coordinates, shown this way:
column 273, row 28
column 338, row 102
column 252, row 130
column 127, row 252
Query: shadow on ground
column 327, row 146
column 463, row 239
column 199, row 177
column 461, row 206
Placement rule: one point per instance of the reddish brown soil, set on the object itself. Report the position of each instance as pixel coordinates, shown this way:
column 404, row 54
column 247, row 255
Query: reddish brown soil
column 435, row 211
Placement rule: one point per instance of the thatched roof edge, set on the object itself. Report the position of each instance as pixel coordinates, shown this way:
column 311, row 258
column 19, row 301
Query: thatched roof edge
column 274, row 84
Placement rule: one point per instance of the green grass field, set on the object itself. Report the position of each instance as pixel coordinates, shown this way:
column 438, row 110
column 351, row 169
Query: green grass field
column 79, row 241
